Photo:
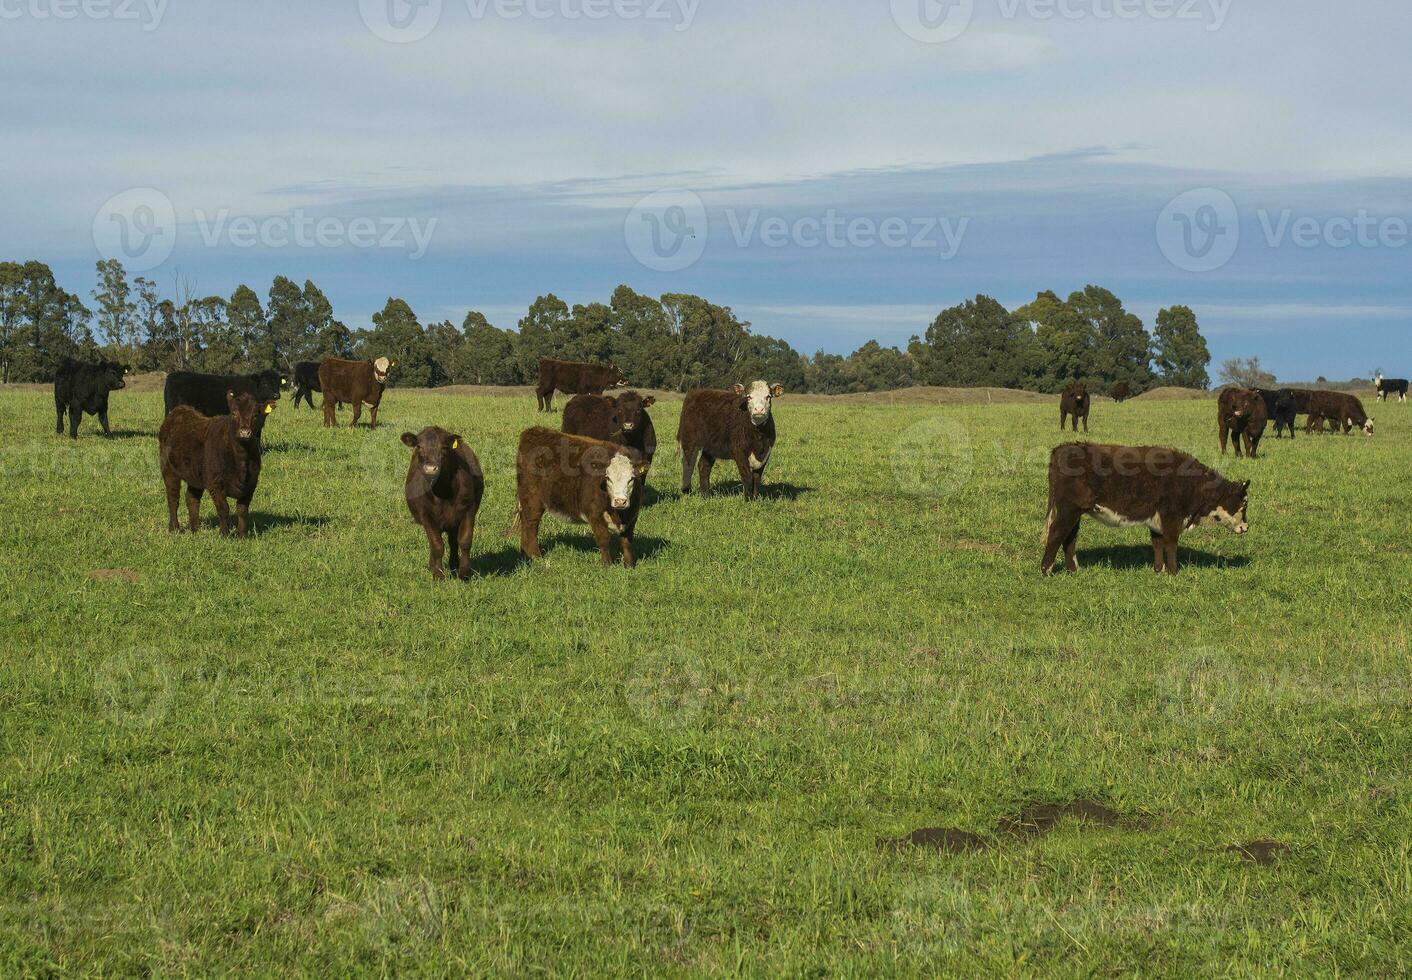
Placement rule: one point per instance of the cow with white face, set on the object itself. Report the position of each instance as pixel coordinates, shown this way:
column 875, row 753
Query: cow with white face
column 583, row 480
column 736, row 424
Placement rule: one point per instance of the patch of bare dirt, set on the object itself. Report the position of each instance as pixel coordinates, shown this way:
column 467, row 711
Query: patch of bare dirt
column 1261, row 852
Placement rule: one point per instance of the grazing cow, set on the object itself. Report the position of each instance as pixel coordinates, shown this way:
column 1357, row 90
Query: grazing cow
column 207, row 392
column 585, row 481
column 622, row 419
column 80, row 387
column 444, row 490
column 357, row 383
column 1074, row 402
column 1302, row 397
column 219, row 455
column 1122, row 391
column 306, row 381
column 574, row 378
column 1281, row 407
column 1240, row 412
column 736, row 424
column 1342, row 410
column 1390, row 386
column 1122, row 486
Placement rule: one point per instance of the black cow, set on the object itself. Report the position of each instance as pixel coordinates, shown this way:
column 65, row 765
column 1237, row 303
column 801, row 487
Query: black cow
column 1390, row 386
column 306, row 381
column 208, row 393
column 80, row 387
column 1282, row 406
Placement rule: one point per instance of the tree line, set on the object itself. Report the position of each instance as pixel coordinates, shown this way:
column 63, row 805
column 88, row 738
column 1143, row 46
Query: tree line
column 676, row 342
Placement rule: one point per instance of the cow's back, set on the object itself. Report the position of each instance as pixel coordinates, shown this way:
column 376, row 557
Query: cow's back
column 346, row 381
column 708, row 420
column 592, row 416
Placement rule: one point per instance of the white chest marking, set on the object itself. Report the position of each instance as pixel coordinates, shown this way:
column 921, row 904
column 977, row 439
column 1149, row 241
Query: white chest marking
column 759, row 464
column 613, row 525
column 1113, row 519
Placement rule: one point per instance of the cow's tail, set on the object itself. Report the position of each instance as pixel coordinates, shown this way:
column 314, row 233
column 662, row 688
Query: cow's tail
column 514, row 527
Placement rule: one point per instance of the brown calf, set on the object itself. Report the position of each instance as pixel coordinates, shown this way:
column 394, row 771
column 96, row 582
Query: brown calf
column 218, row 455
column 1074, row 401
column 622, row 419
column 573, row 378
column 584, row 481
column 736, row 424
column 444, row 490
column 1241, row 412
column 357, row 382
column 1123, row 486
column 1342, row 410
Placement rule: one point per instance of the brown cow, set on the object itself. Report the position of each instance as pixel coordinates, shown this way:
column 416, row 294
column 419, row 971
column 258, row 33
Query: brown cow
column 622, row 419
column 357, row 382
column 219, row 455
column 1122, row 486
column 736, row 424
column 444, row 490
column 1342, row 410
column 574, row 378
column 1241, row 412
column 1074, row 401
column 584, row 481
column 1121, row 392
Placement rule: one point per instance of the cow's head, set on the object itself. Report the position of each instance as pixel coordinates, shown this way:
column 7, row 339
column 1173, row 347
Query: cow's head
column 757, row 400
column 433, row 451
column 113, row 374
column 620, row 478
column 248, row 415
column 619, row 379
column 1230, row 509
column 630, row 406
column 1368, row 427
column 382, row 367
column 272, row 381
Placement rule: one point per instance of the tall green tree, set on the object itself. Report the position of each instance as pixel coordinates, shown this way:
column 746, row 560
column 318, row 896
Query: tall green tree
column 540, row 329
column 1180, row 351
column 977, row 343
column 1066, row 341
column 1122, row 347
column 116, row 312
column 488, row 353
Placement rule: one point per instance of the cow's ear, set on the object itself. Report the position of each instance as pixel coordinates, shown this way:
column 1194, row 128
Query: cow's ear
column 649, row 401
column 777, row 390
column 1245, row 486
column 409, row 440
column 455, row 442
column 269, row 407
column 739, row 389
column 642, row 469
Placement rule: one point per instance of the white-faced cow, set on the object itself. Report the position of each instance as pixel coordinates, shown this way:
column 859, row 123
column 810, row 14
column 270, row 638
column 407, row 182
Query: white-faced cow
column 736, row 424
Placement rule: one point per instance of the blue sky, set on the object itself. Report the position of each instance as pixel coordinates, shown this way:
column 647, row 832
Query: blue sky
column 1246, row 157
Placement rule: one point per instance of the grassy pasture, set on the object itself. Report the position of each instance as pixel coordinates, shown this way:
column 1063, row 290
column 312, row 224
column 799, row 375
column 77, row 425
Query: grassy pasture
column 297, row 754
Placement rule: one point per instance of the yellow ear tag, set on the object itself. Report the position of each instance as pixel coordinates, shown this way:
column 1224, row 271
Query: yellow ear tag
column 455, row 443
column 269, row 409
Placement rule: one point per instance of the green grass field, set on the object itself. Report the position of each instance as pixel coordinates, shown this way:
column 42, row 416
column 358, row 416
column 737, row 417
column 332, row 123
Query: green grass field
column 296, row 754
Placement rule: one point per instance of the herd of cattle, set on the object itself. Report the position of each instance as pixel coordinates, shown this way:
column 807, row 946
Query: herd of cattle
column 593, row 469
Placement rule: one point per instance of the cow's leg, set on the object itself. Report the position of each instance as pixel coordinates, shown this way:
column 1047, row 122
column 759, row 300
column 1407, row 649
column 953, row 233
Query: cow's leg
column 1071, row 544
column 373, row 416
column 329, row 420
column 1224, row 434
column 625, row 546
column 193, row 508
column 703, row 473
column 1171, row 532
column 1085, row 423
column 218, row 497
column 605, row 541
column 59, row 425
column 1063, row 419
column 357, row 413
column 688, row 463
column 1057, row 527
column 75, row 413
column 242, row 518
column 747, row 478
column 173, row 484
column 465, row 536
column 103, row 420
column 1159, row 552
column 437, row 549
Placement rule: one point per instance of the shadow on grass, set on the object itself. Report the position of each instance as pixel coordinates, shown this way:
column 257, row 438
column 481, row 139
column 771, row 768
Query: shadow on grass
column 126, row 434
column 1130, row 557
